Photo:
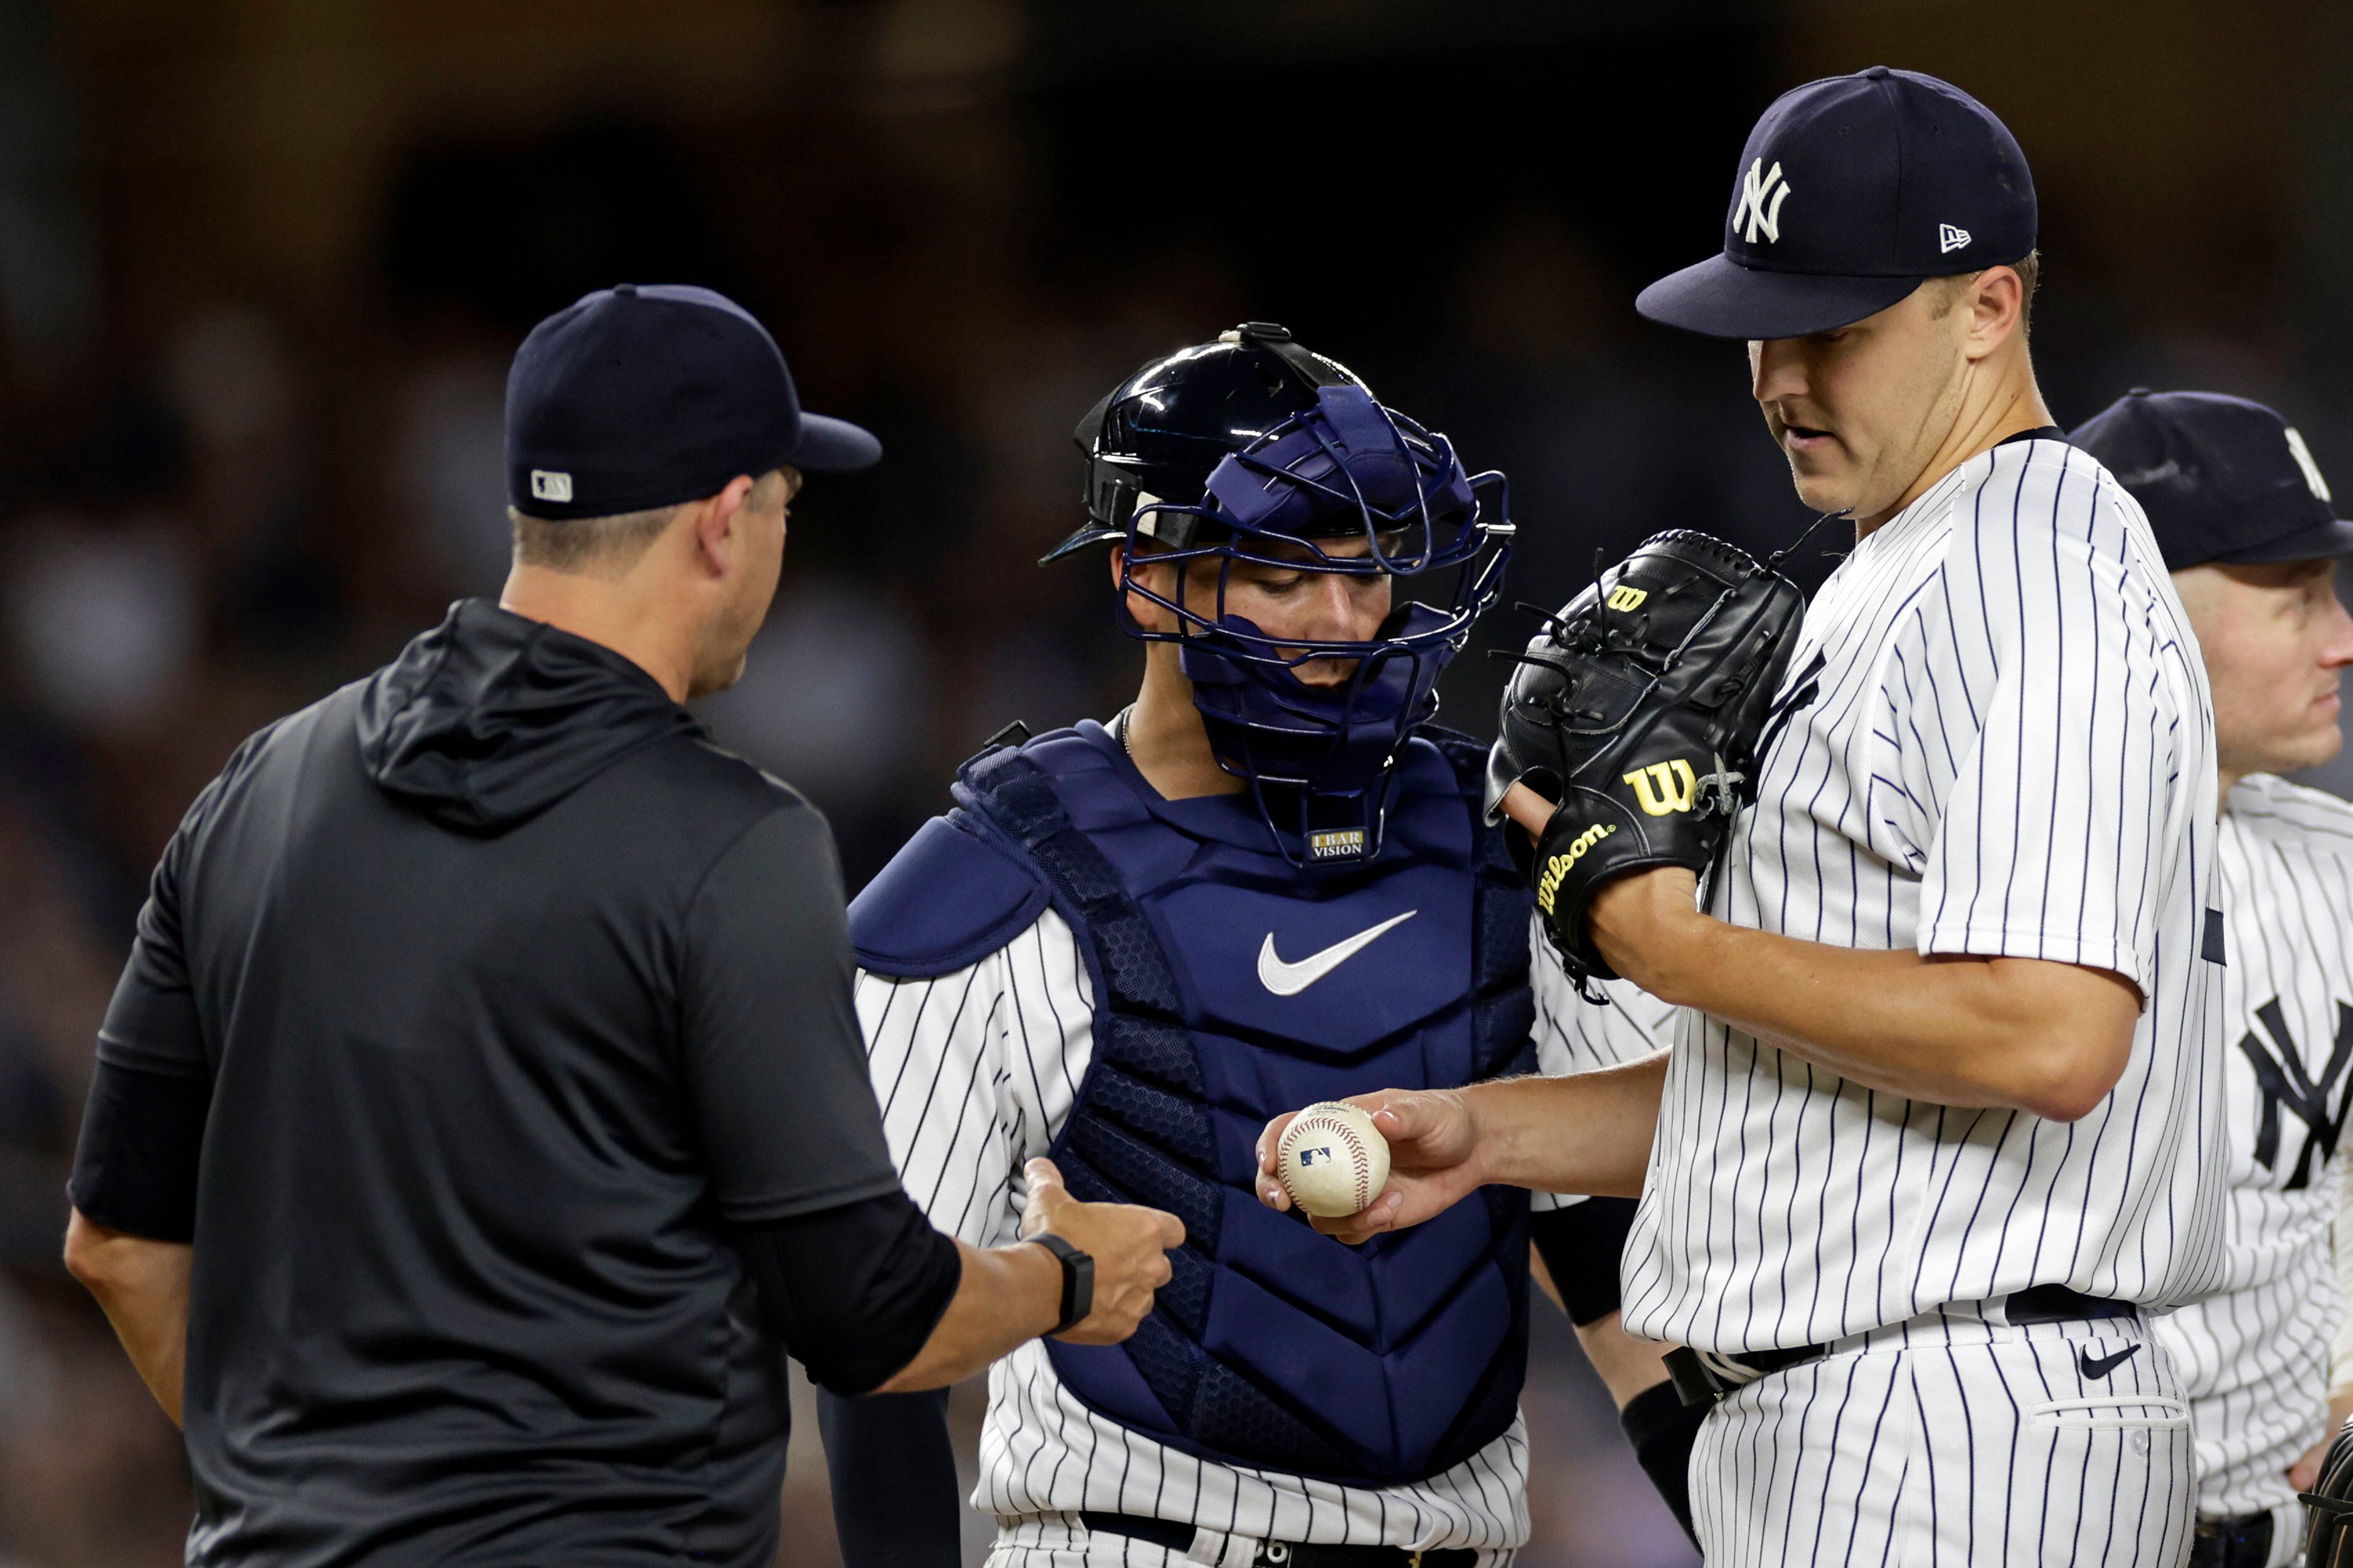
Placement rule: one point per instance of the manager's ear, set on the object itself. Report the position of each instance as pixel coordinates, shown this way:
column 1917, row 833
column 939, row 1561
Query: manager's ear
column 719, row 527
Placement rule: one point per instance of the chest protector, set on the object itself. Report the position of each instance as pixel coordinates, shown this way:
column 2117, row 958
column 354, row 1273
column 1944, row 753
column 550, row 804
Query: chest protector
column 1228, row 991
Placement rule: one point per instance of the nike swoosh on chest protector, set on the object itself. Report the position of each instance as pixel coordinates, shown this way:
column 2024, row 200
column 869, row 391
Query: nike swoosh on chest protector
column 1291, row 979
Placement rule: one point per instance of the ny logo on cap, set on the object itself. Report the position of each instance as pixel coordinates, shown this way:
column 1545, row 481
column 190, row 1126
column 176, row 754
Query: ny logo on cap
column 1762, row 191
column 2303, row 456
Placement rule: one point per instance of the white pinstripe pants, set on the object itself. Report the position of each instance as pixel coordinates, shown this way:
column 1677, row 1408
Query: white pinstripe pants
column 1940, row 1443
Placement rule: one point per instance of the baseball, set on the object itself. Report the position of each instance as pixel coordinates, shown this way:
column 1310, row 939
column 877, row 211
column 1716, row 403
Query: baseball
column 1333, row 1161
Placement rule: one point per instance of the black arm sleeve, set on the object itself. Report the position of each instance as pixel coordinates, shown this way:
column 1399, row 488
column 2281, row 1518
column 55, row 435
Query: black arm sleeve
column 853, row 1292
column 135, row 1168
column 1581, row 1246
column 775, row 1066
column 892, row 1467
column 143, row 1126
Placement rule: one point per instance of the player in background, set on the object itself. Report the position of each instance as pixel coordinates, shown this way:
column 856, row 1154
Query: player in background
column 2243, row 517
column 1268, row 880
column 1944, row 1114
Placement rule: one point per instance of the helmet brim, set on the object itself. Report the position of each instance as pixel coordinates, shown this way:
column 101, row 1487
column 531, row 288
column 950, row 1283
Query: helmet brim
column 1080, row 539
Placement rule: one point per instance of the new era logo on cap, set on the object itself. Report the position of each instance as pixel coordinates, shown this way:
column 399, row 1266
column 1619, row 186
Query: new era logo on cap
column 1950, row 239
column 548, row 486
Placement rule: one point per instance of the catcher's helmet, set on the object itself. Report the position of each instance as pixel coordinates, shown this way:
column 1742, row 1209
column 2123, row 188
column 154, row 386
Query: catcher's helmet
column 1254, row 449
column 2329, row 1508
column 1160, row 432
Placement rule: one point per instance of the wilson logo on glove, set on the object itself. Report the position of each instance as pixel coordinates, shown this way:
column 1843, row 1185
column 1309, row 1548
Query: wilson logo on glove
column 1663, row 787
column 1683, row 668
column 1558, row 867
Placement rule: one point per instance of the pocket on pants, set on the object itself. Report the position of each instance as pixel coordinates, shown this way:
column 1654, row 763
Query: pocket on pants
column 2112, row 1413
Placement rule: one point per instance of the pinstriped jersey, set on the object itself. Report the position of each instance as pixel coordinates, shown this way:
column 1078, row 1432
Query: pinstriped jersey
column 1576, row 1036
column 1998, row 741
column 976, row 1071
column 2255, row 1359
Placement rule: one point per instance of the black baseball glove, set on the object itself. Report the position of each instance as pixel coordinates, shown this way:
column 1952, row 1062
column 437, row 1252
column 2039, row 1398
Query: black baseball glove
column 1637, row 709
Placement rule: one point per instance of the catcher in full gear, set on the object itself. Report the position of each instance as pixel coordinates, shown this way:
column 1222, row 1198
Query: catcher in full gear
column 1130, row 941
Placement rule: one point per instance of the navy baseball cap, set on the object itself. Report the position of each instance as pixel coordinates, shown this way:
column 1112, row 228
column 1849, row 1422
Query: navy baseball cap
column 2223, row 479
column 1850, row 191
column 643, row 395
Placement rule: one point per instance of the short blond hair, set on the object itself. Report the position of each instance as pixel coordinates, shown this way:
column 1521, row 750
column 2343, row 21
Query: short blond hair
column 606, row 546
column 588, row 546
column 2029, row 268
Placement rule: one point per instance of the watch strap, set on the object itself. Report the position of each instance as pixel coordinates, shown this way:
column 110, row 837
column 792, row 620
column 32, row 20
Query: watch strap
column 1077, row 1280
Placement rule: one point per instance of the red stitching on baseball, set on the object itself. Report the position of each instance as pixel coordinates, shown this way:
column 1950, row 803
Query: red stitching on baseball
column 1357, row 1143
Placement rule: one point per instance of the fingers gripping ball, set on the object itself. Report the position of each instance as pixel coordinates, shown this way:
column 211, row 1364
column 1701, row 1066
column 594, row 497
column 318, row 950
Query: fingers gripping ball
column 1333, row 1161
column 1640, row 708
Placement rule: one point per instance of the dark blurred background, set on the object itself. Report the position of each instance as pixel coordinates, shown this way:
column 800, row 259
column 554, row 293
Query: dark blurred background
column 262, row 263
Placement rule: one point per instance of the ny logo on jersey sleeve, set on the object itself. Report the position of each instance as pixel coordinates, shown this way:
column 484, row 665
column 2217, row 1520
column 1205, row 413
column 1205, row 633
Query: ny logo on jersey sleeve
column 2283, row 1081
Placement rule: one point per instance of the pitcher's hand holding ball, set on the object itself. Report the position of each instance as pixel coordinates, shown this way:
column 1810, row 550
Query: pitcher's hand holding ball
column 1430, row 1135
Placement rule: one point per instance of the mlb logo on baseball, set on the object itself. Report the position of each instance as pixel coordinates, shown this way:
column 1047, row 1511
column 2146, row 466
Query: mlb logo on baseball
column 1340, row 1172
column 547, row 485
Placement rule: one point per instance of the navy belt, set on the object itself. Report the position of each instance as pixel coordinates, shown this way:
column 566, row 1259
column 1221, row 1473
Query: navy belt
column 2243, row 1540
column 1702, row 1377
column 1178, row 1537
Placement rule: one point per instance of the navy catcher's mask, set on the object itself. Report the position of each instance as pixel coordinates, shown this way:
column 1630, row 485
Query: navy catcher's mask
column 1253, row 449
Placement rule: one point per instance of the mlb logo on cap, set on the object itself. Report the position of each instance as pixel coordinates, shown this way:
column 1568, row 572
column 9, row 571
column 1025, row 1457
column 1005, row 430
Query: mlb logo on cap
column 545, row 486
column 1851, row 191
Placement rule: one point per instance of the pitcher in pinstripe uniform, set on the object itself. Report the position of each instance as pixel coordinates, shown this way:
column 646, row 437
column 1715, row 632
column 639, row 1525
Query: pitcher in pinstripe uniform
column 1130, row 943
column 2244, row 519
column 1942, row 1123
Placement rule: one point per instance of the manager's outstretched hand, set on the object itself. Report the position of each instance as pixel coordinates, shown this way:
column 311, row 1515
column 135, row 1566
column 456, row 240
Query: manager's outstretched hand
column 1129, row 1242
column 1432, row 1137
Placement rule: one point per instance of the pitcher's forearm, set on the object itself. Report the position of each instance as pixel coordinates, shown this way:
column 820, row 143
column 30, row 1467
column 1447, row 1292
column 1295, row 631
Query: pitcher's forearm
column 2043, row 1036
column 1587, row 1133
column 2046, row 1037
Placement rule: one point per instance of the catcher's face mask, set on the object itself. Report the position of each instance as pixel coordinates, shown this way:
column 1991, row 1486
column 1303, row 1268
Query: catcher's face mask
column 1317, row 756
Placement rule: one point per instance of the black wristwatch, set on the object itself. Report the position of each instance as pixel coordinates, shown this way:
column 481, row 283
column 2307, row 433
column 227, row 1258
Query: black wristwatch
column 1077, row 1280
